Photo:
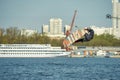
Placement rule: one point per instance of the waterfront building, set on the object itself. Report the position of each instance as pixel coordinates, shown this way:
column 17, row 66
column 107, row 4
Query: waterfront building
column 101, row 30
column 54, row 29
column 116, row 18
column 55, row 26
column 45, row 29
column 57, row 36
column 28, row 32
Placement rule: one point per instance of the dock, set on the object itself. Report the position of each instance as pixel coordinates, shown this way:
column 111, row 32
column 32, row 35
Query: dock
column 112, row 52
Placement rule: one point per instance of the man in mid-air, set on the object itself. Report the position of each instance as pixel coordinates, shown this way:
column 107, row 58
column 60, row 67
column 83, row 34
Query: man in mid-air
column 88, row 35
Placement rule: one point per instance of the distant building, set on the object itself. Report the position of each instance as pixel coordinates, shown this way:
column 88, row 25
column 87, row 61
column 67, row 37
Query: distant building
column 57, row 36
column 55, row 26
column 115, row 20
column 101, row 30
column 27, row 32
column 54, row 30
column 45, row 29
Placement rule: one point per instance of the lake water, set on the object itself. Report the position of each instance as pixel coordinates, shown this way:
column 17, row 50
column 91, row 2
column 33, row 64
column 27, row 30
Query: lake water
column 59, row 69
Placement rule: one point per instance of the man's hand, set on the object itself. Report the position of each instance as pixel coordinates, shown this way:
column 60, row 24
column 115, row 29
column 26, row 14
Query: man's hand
column 85, row 30
column 67, row 33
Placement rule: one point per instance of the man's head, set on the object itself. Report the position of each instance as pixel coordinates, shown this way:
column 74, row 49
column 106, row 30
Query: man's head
column 87, row 28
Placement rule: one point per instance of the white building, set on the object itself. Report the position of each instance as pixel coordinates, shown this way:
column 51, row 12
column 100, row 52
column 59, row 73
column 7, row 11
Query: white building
column 55, row 26
column 101, row 30
column 45, row 29
column 27, row 32
column 115, row 20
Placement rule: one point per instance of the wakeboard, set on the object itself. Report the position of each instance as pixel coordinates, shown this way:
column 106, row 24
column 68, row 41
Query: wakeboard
column 72, row 37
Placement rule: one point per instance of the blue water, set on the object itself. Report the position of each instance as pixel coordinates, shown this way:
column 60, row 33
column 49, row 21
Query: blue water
column 59, row 69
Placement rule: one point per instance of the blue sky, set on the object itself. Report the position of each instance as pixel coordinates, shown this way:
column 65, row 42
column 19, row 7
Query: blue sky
column 31, row 14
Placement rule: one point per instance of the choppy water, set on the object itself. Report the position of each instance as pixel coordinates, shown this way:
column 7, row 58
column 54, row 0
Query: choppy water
column 59, row 69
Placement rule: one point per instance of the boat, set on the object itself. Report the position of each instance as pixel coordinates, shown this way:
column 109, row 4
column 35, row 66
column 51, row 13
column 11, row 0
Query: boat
column 31, row 50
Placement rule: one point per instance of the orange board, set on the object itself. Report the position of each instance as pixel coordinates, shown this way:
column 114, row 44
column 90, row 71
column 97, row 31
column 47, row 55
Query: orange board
column 76, row 35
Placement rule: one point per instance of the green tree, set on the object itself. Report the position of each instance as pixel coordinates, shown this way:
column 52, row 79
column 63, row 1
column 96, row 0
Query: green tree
column 1, row 34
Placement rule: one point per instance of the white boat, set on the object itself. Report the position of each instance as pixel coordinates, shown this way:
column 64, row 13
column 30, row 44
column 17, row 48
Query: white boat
column 102, row 54
column 31, row 50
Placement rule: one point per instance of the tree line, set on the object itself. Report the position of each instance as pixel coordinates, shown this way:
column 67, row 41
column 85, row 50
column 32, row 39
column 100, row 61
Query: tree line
column 13, row 35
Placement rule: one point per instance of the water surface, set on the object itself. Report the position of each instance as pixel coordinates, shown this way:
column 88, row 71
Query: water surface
column 59, row 69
